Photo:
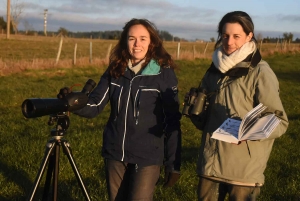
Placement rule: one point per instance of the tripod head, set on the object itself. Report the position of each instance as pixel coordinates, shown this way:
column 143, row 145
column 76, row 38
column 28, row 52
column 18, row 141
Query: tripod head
column 62, row 123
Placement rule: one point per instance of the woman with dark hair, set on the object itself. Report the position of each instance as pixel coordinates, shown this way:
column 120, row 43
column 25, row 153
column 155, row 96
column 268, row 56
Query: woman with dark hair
column 237, row 81
column 143, row 129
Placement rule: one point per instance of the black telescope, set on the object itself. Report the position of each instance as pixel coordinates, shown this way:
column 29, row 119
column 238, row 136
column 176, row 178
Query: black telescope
column 37, row 107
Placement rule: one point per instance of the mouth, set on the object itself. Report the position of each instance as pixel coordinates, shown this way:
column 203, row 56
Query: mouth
column 136, row 51
column 230, row 49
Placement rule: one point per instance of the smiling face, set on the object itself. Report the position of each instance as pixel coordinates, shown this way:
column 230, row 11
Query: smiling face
column 138, row 41
column 234, row 37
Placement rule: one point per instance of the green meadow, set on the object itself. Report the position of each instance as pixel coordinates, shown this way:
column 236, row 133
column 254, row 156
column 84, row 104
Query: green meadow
column 23, row 141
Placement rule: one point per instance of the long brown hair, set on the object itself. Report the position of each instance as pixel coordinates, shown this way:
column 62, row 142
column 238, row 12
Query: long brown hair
column 120, row 55
column 236, row 17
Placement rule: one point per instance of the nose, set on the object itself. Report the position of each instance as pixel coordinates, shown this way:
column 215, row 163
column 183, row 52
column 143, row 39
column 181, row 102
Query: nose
column 230, row 40
column 136, row 42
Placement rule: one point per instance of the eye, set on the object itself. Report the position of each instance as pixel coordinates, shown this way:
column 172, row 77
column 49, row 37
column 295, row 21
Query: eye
column 224, row 36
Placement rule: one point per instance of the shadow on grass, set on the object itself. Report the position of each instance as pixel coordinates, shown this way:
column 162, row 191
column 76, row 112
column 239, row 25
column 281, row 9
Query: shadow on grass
column 16, row 176
column 294, row 117
column 67, row 189
column 292, row 76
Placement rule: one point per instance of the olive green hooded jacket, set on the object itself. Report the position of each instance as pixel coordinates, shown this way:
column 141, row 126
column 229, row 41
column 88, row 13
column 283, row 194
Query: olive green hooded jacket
column 233, row 94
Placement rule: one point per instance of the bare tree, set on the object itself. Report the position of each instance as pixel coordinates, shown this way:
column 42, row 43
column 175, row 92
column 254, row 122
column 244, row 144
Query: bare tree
column 259, row 37
column 28, row 26
column 17, row 9
column 62, row 32
column 288, row 36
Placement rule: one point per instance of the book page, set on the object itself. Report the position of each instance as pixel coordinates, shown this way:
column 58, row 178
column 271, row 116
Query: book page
column 228, row 131
column 250, row 118
column 262, row 128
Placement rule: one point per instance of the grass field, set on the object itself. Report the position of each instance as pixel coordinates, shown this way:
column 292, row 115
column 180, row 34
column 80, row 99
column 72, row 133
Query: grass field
column 22, row 141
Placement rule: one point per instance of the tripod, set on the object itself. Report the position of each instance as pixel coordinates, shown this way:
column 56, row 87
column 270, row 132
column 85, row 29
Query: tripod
column 51, row 157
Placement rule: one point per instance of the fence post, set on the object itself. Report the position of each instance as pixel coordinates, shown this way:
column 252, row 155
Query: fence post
column 260, row 46
column 205, row 48
column 277, row 43
column 108, row 52
column 285, row 45
column 59, row 50
column 91, row 51
column 75, row 50
column 178, row 50
column 194, row 52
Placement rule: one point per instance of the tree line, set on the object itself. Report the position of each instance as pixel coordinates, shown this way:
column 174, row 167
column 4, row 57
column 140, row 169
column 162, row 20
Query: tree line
column 116, row 34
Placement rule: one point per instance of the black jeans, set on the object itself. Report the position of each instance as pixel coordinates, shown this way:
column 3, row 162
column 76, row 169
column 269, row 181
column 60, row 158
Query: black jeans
column 128, row 182
column 209, row 190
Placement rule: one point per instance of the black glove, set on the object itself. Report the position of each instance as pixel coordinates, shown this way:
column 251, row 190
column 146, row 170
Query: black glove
column 171, row 177
column 63, row 92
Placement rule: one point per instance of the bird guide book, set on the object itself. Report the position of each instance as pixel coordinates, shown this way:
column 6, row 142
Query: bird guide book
column 252, row 127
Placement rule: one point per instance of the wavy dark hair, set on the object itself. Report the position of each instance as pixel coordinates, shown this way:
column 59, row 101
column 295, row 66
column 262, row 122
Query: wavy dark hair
column 236, row 17
column 120, row 55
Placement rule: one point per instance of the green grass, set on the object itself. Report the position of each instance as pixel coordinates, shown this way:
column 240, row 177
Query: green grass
column 22, row 141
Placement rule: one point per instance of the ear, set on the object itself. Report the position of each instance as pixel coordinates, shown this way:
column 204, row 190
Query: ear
column 249, row 37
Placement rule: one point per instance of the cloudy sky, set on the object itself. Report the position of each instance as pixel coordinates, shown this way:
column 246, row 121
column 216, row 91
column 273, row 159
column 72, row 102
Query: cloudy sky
column 190, row 19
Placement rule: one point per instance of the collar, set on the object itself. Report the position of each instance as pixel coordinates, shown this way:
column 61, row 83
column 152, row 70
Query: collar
column 152, row 68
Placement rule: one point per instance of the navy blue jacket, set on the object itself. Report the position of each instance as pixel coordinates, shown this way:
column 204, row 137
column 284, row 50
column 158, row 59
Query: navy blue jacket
column 144, row 123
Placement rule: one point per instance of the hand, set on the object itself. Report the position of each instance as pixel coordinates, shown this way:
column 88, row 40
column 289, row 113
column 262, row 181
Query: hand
column 63, row 92
column 171, row 177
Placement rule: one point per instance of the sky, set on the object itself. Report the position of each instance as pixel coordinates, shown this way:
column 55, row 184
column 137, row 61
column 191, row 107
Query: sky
column 189, row 19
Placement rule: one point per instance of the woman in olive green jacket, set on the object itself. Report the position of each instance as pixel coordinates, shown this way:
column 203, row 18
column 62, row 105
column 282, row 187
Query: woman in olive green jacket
column 237, row 81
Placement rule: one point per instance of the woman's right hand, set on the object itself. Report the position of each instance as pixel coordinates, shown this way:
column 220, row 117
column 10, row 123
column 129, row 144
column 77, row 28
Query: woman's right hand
column 63, row 92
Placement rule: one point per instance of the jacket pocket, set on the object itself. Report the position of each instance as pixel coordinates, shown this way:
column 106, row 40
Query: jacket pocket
column 115, row 98
column 147, row 107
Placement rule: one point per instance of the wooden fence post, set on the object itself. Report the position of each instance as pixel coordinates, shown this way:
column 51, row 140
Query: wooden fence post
column 108, row 52
column 91, row 51
column 194, row 52
column 277, row 43
column 260, row 46
column 75, row 51
column 285, row 45
column 178, row 50
column 59, row 50
column 205, row 48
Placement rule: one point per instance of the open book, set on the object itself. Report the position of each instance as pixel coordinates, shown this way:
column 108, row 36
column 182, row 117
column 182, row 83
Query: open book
column 252, row 126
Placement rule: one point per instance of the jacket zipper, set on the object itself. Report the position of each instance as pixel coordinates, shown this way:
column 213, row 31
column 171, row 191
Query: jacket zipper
column 125, row 126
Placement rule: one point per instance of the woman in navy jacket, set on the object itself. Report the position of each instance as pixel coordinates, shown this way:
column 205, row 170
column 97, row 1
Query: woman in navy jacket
column 143, row 130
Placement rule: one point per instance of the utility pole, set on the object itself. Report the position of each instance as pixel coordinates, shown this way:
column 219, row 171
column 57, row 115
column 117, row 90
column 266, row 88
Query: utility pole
column 45, row 22
column 8, row 20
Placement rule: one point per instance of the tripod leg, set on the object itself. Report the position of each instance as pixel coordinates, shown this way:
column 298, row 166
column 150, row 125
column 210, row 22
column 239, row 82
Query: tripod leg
column 67, row 151
column 48, row 151
column 55, row 172
column 49, row 175
column 53, row 168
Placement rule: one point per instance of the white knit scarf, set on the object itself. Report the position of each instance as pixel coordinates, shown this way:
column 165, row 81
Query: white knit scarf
column 225, row 62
